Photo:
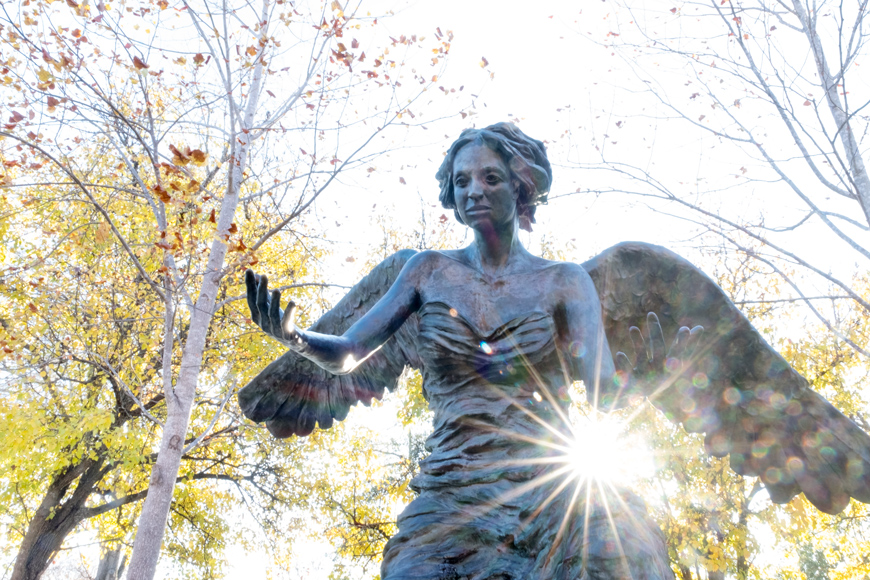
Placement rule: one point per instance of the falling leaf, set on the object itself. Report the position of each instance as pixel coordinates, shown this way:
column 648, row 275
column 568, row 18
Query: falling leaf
column 163, row 4
column 32, row 307
column 807, row 103
column 483, row 62
column 251, row 51
column 198, row 59
column 138, row 63
column 211, row 217
column 271, row 94
column 350, row 259
column 701, row 118
column 673, row 10
column 402, row 181
column 52, row 104
column 354, row 43
column 233, row 228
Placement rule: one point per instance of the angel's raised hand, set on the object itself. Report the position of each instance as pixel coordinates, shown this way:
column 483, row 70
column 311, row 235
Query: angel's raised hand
column 266, row 310
column 650, row 359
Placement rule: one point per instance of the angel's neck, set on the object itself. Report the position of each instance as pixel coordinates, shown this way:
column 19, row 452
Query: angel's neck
column 494, row 250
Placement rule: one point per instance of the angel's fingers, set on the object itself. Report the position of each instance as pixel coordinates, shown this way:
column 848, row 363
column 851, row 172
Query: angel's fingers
column 678, row 349
column 695, row 336
column 656, row 344
column 275, row 313
column 623, row 368
column 288, row 324
column 263, row 301
column 251, row 287
column 638, row 344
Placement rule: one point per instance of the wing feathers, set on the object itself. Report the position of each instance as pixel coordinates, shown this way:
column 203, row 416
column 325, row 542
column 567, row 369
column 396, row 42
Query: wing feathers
column 750, row 403
column 292, row 395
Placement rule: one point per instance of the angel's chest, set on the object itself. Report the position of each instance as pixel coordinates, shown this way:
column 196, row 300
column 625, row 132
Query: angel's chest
column 486, row 307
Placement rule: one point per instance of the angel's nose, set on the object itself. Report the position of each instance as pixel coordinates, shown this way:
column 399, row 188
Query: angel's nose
column 475, row 193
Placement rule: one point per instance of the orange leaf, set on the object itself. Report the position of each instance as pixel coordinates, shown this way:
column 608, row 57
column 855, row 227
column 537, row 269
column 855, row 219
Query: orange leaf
column 138, row 63
column 162, row 194
column 233, row 228
column 211, row 217
column 198, row 156
column 251, row 51
column 198, row 59
column 32, row 307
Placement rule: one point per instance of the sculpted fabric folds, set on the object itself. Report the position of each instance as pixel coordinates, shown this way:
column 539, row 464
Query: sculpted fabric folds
column 494, row 503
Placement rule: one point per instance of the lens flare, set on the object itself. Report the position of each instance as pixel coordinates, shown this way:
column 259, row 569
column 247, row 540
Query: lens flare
column 604, row 451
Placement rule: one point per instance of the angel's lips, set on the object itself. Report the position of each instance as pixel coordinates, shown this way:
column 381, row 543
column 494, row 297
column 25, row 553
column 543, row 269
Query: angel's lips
column 478, row 209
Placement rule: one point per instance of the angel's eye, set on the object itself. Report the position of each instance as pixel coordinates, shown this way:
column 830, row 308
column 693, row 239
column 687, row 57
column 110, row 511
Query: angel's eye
column 460, row 182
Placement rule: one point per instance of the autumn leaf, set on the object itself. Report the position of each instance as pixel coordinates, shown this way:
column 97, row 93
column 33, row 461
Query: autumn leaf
column 139, row 64
column 483, row 62
column 198, row 157
column 233, row 228
column 251, row 51
column 402, row 181
column 179, row 157
column 52, row 104
column 354, row 43
column 163, row 4
column 198, row 59
column 103, row 232
column 162, row 194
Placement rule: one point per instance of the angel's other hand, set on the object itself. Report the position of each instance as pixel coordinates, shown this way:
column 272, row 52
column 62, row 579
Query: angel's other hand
column 266, row 309
column 650, row 359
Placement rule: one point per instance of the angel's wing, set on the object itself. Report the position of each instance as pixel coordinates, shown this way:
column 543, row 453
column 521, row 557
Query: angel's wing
column 293, row 393
column 750, row 403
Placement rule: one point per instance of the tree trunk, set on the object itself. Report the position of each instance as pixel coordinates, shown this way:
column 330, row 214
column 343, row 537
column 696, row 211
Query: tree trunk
column 111, row 565
column 52, row 521
column 155, row 511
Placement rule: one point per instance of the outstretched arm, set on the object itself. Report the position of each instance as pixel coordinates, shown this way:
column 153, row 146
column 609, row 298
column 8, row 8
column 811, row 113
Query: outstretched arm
column 336, row 354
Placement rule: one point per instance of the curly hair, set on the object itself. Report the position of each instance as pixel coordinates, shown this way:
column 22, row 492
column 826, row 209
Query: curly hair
column 526, row 159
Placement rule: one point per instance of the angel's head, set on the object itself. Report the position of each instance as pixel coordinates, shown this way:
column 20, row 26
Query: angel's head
column 525, row 160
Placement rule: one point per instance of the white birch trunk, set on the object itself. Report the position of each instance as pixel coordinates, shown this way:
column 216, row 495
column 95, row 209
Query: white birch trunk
column 155, row 511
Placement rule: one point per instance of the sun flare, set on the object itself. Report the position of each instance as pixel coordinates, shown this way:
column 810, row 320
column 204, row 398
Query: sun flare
column 605, row 451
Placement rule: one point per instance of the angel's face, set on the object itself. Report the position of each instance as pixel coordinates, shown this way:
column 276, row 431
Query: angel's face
column 483, row 192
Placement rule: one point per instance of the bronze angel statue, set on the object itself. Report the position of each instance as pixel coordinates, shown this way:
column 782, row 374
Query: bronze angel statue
column 498, row 334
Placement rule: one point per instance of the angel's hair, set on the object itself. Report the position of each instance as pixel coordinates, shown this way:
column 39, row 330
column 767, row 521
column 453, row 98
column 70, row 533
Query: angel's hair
column 525, row 157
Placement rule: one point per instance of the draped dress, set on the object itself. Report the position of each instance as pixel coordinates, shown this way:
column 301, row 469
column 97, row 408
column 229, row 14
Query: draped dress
column 496, row 501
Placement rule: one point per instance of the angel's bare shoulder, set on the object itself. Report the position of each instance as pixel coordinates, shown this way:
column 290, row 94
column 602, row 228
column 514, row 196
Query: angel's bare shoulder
column 570, row 281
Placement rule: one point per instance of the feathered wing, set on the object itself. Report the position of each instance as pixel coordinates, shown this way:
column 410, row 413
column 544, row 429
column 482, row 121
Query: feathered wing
column 293, row 394
column 745, row 397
